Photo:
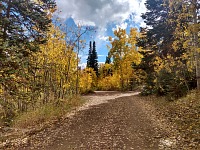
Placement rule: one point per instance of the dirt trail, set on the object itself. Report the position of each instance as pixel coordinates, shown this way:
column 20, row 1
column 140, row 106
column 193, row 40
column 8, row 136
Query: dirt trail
column 109, row 120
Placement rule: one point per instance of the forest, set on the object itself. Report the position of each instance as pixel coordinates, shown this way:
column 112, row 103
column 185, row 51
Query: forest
column 39, row 59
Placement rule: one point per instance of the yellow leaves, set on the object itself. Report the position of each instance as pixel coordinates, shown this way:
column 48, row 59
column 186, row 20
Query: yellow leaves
column 66, row 85
column 110, row 38
column 107, row 66
column 87, row 80
column 140, row 75
column 133, row 36
column 110, row 82
column 1, row 90
column 175, row 45
column 55, row 50
column 185, row 56
column 57, row 61
column 124, row 46
column 186, row 44
column 135, row 57
column 198, row 50
column 158, row 64
column 168, row 63
column 125, row 52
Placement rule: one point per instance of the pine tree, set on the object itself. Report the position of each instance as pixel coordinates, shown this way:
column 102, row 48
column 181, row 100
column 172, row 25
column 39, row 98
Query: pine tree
column 94, row 58
column 108, row 60
column 157, row 40
column 92, row 61
column 89, row 56
column 23, row 26
column 167, row 45
column 160, row 36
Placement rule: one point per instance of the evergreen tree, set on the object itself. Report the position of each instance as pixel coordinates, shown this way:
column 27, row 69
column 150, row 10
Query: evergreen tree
column 94, row 58
column 89, row 56
column 163, row 41
column 108, row 60
column 23, row 26
column 160, row 36
column 92, row 61
column 157, row 40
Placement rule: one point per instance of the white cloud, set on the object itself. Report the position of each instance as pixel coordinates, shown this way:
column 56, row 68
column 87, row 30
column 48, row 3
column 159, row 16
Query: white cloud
column 122, row 26
column 82, row 65
column 137, row 7
column 101, row 12
column 142, row 24
column 103, row 38
column 101, row 55
column 83, row 56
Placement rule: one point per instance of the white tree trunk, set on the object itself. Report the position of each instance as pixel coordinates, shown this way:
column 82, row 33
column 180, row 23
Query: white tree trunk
column 196, row 44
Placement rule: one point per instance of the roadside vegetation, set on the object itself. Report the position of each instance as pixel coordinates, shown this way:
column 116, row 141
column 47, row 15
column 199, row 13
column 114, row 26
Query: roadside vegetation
column 46, row 114
column 183, row 115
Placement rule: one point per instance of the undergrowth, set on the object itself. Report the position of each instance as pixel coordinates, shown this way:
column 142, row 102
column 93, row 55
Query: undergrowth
column 184, row 113
column 46, row 113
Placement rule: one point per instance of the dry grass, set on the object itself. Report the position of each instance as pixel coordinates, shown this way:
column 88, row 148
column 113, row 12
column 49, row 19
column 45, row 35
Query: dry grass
column 46, row 113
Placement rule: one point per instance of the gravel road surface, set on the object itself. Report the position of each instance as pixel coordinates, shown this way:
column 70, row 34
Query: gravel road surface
column 108, row 120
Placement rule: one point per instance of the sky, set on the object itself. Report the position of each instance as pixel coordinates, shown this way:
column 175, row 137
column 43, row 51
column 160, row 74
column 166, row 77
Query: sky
column 105, row 16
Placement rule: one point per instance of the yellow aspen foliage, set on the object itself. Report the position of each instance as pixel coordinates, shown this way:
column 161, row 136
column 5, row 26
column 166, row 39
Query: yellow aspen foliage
column 109, row 79
column 87, row 80
column 57, row 63
column 186, row 30
column 124, row 53
column 105, row 70
column 109, row 82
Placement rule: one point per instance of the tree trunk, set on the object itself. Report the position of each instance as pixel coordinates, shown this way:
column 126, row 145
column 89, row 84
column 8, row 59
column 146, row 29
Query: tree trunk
column 196, row 44
column 77, row 74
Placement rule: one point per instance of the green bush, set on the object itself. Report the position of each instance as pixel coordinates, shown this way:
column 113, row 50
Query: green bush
column 174, row 84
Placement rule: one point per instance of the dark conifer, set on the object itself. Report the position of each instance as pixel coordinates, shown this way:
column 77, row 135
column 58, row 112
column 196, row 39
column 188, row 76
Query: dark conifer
column 92, row 60
column 108, row 59
column 89, row 56
column 23, row 26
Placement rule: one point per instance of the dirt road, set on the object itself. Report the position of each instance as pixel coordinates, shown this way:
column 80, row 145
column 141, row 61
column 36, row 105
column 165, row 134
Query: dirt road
column 107, row 121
